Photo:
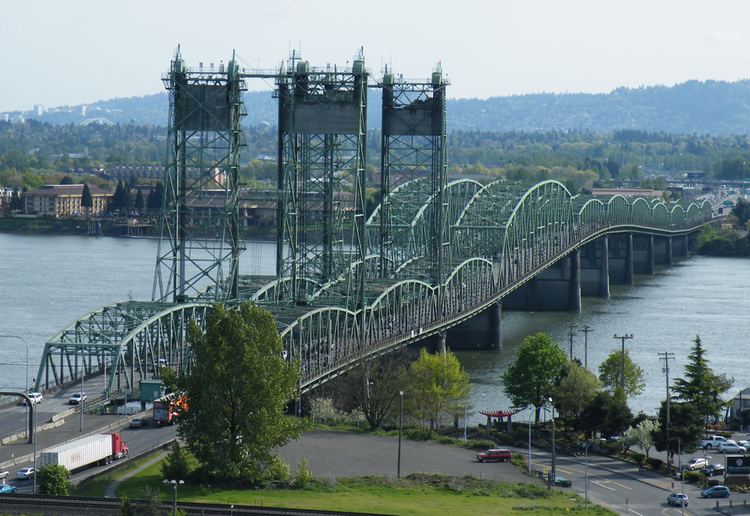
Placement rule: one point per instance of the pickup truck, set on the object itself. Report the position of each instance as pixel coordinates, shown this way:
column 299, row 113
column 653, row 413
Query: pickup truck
column 712, row 441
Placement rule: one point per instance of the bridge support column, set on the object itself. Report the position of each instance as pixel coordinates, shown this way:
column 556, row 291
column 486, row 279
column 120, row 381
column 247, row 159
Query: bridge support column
column 440, row 342
column 604, row 274
column 557, row 288
column 662, row 250
column 574, row 285
column 480, row 332
column 670, row 257
column 680, row 246
column 643, row 254
column 621, row 259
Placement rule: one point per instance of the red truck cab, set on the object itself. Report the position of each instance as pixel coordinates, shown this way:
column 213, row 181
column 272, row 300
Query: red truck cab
column 494, row 454
column 119, row 448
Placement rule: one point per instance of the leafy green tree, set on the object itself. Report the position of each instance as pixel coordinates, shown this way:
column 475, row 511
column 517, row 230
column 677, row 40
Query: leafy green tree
column 594, row 414
column 237, row 391
column 67, row 180
column 532, row 378
column 576, row 391
column 685, row 428
column 53, row 480
column 609, row 374
column 741, row 210
column 701, row 387
column 375, row 390
column 437, row 384
column 617, row 416
column 640, row 435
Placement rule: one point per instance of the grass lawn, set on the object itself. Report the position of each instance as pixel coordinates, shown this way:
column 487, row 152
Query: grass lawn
column 96, row 486
column 417, row 494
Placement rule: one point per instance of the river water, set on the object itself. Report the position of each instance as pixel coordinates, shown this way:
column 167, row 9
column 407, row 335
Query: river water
column 47, row 282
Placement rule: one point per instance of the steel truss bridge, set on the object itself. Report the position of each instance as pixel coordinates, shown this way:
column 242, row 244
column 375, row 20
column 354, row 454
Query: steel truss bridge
column 435, row 254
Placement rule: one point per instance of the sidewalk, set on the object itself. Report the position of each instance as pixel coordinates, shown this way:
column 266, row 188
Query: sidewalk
column 111, row 491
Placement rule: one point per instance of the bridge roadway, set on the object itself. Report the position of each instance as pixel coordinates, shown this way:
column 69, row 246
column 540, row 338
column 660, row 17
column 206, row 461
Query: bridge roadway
column 516, row 244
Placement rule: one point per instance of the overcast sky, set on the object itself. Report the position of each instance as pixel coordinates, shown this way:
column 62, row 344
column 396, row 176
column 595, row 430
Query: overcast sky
column 55, row 52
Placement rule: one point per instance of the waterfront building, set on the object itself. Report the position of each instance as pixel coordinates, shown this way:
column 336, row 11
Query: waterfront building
column 60, row 201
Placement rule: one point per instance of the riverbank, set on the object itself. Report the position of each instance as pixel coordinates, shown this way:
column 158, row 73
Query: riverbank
column 732, row 243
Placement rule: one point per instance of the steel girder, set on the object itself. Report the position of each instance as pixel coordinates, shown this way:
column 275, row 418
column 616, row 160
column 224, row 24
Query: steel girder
column 199, row 243
column 127, row 341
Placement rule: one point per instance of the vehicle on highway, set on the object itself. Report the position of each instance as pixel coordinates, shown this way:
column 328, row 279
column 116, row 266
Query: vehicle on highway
column 713, row 441
column 696, row 463
column 494, row 454
column 713, row 470
column 36, row 398
column 716, row 492
column 3, row 476
column 731, row 448
column 166, row 409
column 562, row 482
column 7, row 489
column 138, row 422
column 24, row 473
column 97, row 449
column 677, row 499
column 77, row 398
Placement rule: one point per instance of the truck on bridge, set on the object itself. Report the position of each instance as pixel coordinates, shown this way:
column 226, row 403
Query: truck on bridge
column 168, row 407
column 96, row 449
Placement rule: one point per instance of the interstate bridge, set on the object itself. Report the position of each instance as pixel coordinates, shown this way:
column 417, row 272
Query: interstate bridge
column 439, row 257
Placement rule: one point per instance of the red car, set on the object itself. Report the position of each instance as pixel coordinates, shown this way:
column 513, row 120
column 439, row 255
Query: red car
column 496, row 454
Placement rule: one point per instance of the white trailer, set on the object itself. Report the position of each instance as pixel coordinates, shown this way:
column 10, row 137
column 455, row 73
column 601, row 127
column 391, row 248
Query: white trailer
column 81, row 452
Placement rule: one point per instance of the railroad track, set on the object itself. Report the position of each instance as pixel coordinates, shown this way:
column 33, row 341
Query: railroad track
column 81, row 505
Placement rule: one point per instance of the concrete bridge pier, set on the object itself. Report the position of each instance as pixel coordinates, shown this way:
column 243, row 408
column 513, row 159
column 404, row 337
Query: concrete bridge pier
column 595, row 268
column 643, row 254
column 483, row 331
column 680, row 246
column 621, row 259
column 663, row 250
column 440, row 342
column 556, row 288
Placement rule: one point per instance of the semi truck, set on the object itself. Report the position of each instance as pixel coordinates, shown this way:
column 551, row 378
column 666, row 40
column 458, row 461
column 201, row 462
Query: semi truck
column 96, row 449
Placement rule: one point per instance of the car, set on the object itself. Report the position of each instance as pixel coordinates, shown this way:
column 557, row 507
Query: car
column 25, row 473
column 138, row 422
column 713, row 470
column 746, row 444
column 7, row 489
column 36, row 398
column 77, row 398
column 562, row 482
column 731, row 448
column 716, row 492
column 712, row 441
column 696, row 463
column 494, row 454
column 677, row 499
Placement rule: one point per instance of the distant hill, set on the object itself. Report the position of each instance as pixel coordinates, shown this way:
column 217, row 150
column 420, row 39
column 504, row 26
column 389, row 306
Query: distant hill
column 709, row 107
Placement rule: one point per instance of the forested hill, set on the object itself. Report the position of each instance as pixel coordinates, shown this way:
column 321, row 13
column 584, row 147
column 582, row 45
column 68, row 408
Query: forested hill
column 710, row 107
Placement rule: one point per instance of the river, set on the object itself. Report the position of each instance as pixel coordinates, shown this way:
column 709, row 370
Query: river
column 47, row 282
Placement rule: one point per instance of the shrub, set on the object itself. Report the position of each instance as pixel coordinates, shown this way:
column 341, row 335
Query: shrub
column 713, row 482
column 419, row 434
column 656, row 464
column 53, row 480
column 278, row 469
column 322, row 410
column 304, row 475
column 179, row 463
column 638, row 458
column 693, row 476
column 479, row 444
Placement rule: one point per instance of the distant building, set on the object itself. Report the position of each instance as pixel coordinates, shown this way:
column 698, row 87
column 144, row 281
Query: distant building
column 61, row 201
column 6, row 197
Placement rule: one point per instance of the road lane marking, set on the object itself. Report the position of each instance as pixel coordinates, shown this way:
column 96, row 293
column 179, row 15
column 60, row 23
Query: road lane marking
column 602, row 485
column 634, row 512
column 615, row 482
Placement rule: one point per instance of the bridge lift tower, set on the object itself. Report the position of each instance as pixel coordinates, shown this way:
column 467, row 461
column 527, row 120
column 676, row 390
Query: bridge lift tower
column 199, row 245
column 321, row 179
column 413, row 174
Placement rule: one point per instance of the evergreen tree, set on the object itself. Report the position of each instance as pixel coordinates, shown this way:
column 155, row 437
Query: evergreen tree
column 701, row 387
column 139, row 204
column 685, row 428
column 156, row 197
column 117, row 201
column 127, row 198
column 66, row 180
column 87, row 201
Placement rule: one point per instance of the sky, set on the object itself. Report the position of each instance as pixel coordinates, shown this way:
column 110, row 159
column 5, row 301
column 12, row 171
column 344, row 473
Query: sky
column 55, row 52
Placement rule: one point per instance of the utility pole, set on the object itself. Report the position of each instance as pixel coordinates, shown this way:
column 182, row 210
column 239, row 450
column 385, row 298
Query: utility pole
column 570, row 338
column 623, row 338
column 666, row 356
column 586, row 330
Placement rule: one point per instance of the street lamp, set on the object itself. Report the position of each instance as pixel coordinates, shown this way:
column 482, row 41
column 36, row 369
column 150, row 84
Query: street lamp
column 83, row 374
column 465, row 408
column 400, row 421
column 531, row 413
column 26, row 388
column 552, row 471
column 586, row 474
column 174, row 484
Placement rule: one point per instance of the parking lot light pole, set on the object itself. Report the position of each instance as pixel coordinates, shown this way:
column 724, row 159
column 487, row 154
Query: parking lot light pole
column 400, row 421
column 174, row 484
column 530, row 414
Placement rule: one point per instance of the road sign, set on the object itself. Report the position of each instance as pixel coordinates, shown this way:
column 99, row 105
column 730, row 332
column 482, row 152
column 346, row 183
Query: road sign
column 738, row 464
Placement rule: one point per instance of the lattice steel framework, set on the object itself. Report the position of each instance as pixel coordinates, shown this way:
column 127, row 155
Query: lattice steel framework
column 199, row 246
column 413, row 172
column 321, row 180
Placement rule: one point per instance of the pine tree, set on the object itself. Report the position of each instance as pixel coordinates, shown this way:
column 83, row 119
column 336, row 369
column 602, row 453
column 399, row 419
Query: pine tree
column 87, row 201
column 701, row 387
column 139, row 200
